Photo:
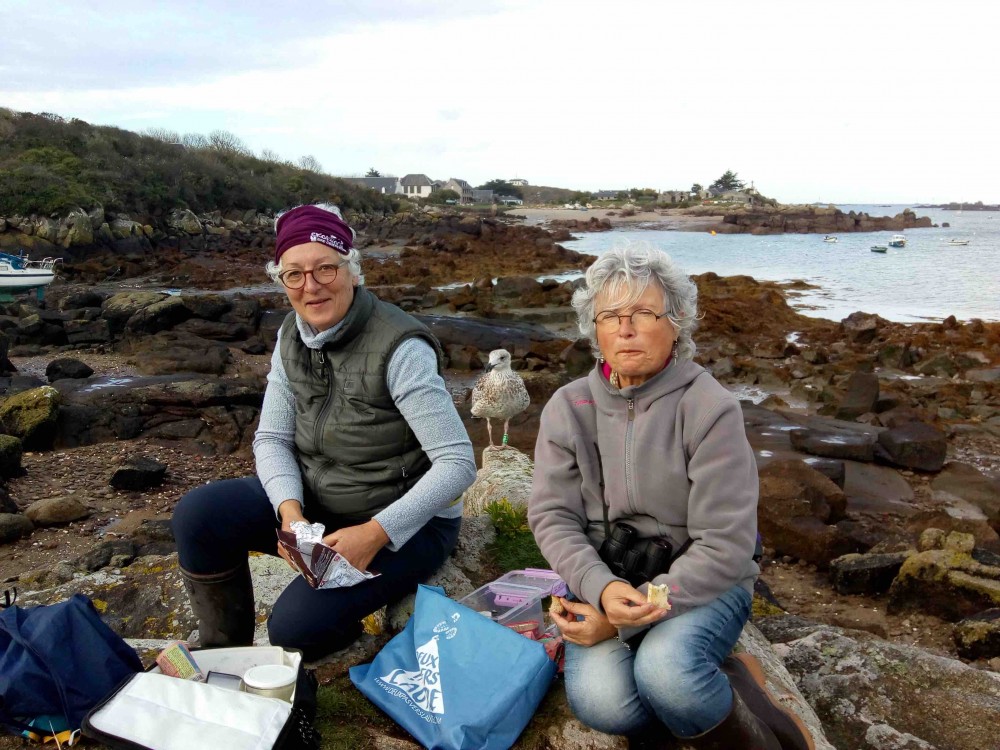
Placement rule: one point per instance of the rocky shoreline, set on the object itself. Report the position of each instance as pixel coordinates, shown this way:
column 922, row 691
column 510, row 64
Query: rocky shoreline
column 192, row 243
column 870, row 435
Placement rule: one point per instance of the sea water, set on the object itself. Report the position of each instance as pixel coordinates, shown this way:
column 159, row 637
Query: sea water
column 926, row 280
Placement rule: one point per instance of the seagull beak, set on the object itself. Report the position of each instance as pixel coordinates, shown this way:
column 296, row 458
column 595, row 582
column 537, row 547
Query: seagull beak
column 488, row 366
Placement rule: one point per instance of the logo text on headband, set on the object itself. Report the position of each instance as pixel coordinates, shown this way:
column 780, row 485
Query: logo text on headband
column 335, row 242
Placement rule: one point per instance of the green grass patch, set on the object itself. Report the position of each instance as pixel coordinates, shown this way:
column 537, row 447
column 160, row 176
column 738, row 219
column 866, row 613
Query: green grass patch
column 514, row 547
column 507, row 519
column 344, row 715
column 515, row 551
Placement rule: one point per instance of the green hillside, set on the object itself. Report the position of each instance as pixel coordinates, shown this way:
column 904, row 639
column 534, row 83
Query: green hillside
column 49, row 164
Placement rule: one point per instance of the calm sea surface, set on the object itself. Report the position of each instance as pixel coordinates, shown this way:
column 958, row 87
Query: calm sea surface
column 926, row 280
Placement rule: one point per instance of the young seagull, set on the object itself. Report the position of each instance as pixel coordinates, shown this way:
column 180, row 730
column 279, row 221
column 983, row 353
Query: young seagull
column 499, row 393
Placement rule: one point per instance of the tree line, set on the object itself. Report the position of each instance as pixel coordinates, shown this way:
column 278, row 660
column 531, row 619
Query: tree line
column 49, row 165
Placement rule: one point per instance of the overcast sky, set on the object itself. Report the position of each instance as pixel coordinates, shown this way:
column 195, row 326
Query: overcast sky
column 877, row 101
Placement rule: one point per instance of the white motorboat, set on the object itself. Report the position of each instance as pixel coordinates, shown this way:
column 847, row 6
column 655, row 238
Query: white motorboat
column 897, row 240
column 958, row 242
column 18, row 273
column 829, row 238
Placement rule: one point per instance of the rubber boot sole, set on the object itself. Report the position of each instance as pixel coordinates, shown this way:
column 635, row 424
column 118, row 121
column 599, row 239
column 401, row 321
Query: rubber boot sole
column 756, row 672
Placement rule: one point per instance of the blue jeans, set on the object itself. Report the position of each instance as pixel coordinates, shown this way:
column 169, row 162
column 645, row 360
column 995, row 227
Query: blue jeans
column 217, row 524
column 673, row 676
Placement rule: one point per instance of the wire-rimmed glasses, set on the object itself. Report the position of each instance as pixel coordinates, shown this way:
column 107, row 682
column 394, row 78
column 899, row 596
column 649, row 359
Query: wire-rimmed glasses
column 640, row 320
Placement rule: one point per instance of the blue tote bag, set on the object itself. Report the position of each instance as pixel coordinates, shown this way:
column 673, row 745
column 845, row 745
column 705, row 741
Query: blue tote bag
column 455, row 679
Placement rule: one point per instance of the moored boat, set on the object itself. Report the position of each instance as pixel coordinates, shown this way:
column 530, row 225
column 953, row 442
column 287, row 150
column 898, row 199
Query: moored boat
column 18, row 273
column 958, row 242
column 897, row 240
column 829, row 238
column 879, row 249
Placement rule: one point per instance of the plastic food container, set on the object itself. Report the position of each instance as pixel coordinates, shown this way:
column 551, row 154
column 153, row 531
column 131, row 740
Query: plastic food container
column 546, row 581
column 515, row 607
column 270, row 681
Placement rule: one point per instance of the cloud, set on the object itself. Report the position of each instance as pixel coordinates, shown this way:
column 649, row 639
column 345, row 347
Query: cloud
column 120, row 44
column 809, row 104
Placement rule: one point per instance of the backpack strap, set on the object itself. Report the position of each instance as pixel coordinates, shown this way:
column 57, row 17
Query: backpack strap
column 9, row 597
column 37, row 733
column 14, row 726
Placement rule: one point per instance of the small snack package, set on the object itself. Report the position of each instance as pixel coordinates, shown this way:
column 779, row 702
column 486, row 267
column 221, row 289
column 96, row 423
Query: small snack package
column 176, row 661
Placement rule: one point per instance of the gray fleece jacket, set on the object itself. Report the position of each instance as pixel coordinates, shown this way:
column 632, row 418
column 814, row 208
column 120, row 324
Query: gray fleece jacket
column 676, row 463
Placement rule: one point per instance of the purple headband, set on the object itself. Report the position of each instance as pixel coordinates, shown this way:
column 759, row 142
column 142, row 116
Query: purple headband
column 312, row 224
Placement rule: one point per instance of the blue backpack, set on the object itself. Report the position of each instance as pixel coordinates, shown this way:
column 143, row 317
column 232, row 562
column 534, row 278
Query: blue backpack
column 56, row 663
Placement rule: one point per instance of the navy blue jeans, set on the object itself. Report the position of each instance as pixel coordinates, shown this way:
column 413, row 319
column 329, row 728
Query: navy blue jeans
column 217, row 524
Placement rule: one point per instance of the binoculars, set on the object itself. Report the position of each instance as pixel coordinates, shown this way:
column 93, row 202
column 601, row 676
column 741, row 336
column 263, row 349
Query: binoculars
column 634, row 559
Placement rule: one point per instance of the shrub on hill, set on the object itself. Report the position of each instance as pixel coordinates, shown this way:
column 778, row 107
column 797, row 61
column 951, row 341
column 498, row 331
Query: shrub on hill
column 49, row 164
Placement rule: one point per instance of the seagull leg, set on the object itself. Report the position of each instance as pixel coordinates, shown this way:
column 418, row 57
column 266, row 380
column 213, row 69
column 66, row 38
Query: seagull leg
column 506, row 424
column 489, row 431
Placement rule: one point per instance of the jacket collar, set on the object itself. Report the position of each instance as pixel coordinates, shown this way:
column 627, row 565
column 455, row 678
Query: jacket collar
column 674, row 377
column 347, row 329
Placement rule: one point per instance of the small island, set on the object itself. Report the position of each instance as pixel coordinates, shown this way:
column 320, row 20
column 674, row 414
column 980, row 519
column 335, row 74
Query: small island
column 957, row 206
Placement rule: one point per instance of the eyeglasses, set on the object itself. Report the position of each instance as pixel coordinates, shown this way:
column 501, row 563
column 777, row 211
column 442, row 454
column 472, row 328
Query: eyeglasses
column 640, row 320
column 322, row 274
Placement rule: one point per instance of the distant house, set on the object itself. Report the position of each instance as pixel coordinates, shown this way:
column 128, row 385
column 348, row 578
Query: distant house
column 416, row 185
column 482, row 196
column 731, row 196
column 509, row 200
column 608, row 195
column 675, row 196
column 461, row 187
column 518, row 182
column 384, row 185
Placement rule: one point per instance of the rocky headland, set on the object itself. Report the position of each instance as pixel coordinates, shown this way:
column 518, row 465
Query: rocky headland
column 814, row 219
column 727, row 219
column 141, row 376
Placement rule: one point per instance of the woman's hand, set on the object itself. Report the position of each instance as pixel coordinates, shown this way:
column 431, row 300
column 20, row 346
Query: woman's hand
column 627, row 607
column 593, row 629
column 359, row 544
column 289, row 511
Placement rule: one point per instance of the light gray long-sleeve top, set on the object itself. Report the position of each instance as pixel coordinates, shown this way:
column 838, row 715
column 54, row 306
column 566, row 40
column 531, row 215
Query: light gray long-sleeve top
column 420, row 395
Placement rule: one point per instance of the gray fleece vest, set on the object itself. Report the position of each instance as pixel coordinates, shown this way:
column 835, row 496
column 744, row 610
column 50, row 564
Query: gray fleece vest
column 356, row 452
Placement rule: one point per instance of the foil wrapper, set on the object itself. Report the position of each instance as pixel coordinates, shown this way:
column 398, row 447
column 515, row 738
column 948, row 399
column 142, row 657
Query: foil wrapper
column 307, row 534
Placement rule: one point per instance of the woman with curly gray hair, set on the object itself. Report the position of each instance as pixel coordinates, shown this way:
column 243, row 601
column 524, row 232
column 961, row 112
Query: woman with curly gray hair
column 644, row 501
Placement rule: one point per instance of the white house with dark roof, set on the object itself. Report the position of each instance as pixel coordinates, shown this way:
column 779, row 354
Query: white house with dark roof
column 461, row 187
column 384, row 185
column 416, row 185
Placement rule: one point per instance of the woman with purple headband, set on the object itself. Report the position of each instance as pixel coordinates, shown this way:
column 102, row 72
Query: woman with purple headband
column 357, row 432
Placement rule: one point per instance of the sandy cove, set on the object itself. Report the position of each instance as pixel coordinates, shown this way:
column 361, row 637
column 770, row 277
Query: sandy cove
column 664, row 218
